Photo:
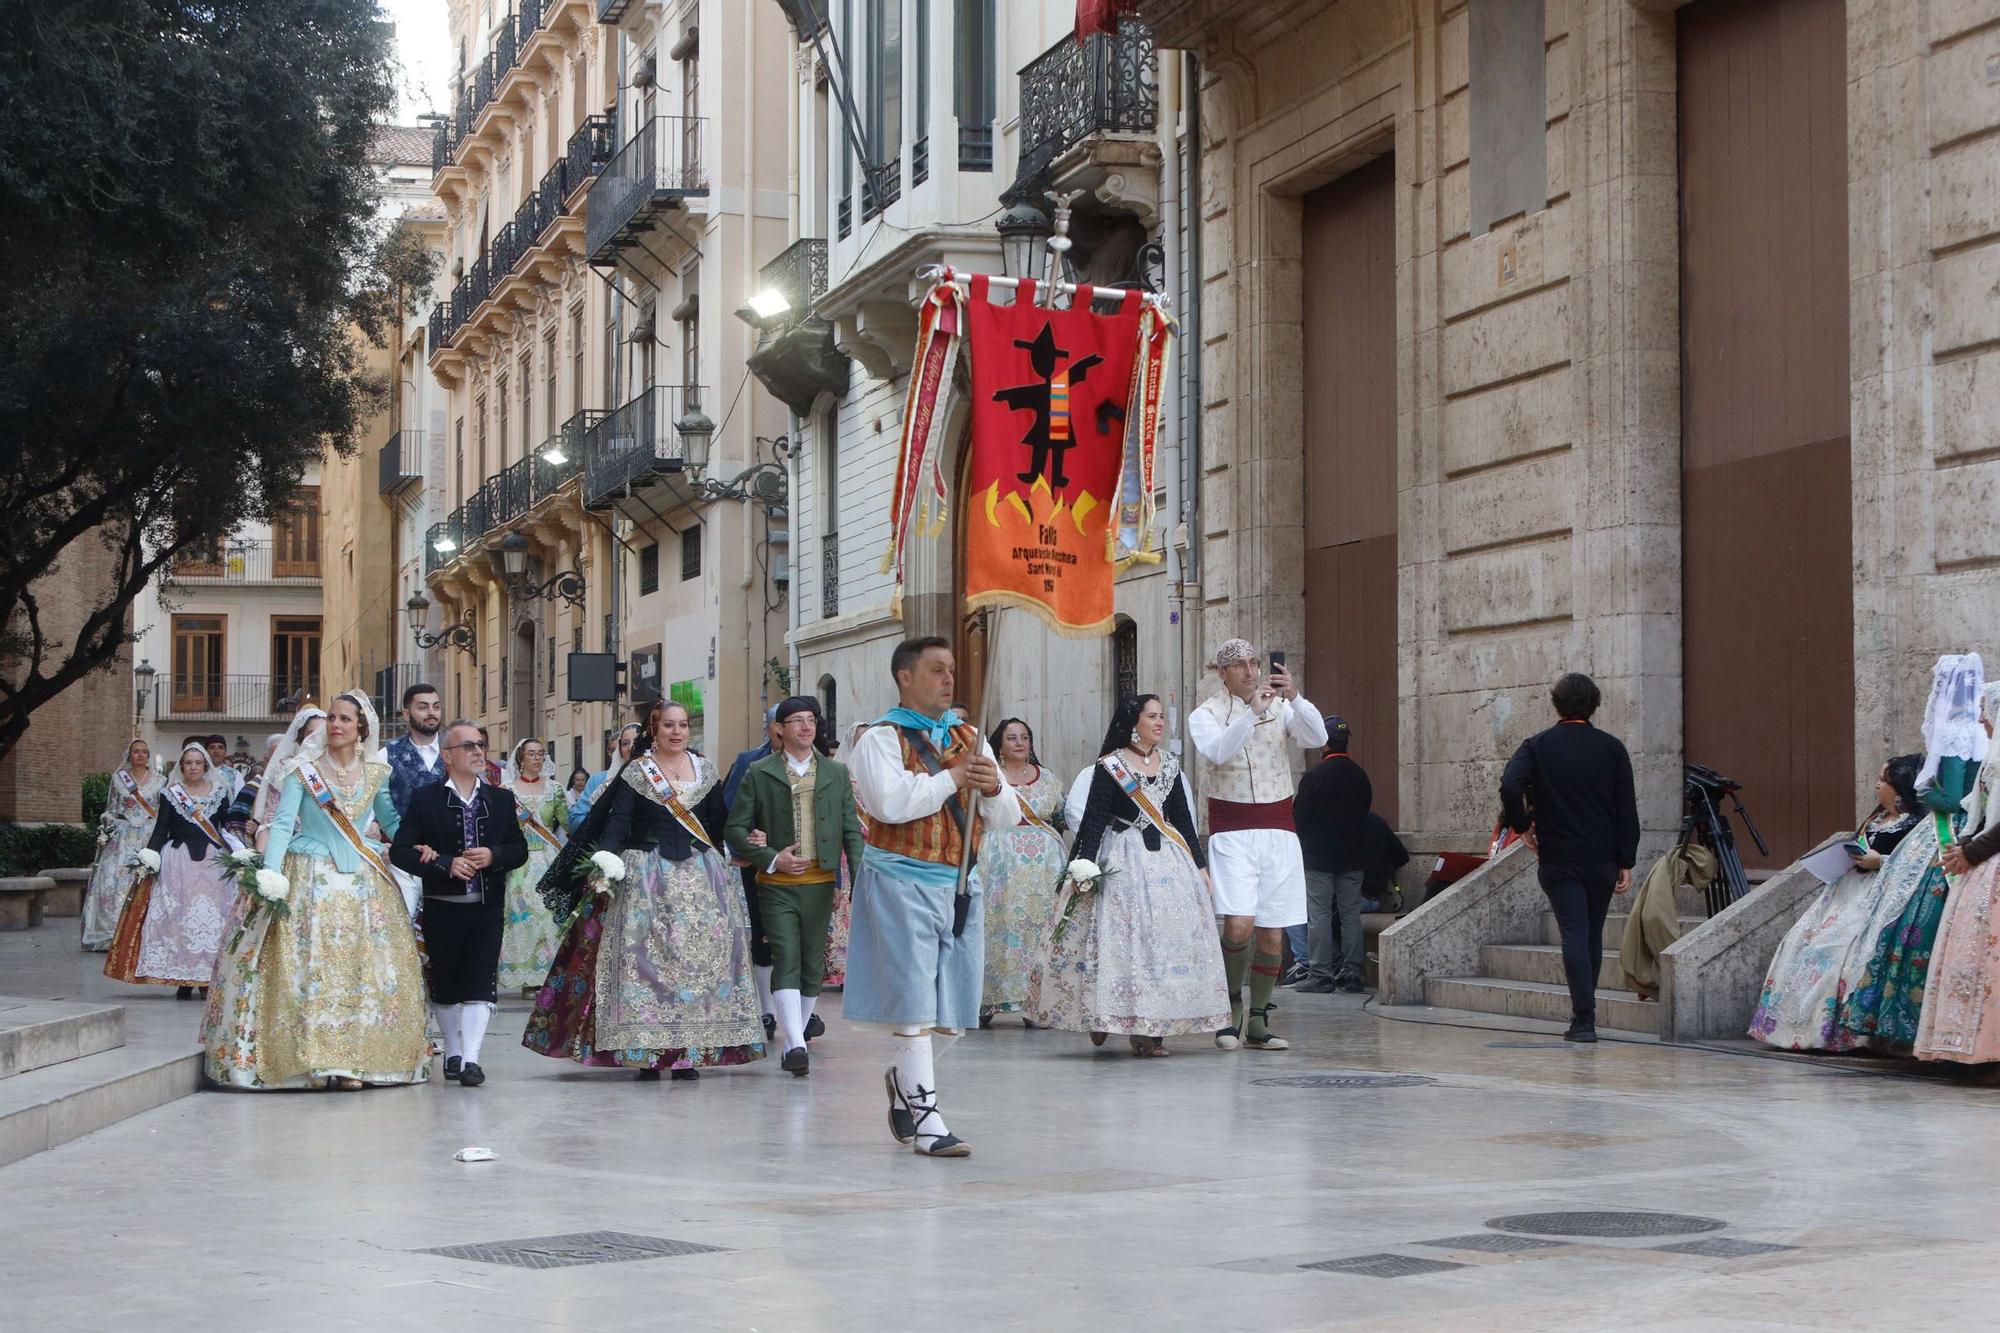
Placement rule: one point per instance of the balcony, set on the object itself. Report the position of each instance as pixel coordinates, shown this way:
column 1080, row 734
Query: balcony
column 635, row 449
column 588, row 151
column 510, row 495
column 975, row 148
column 400, row 460
column 659, row 169
column 1089, row 112
column 201, row 697
column 291, row 564
column 484, row 80
column 795, row 357
column 610, row 11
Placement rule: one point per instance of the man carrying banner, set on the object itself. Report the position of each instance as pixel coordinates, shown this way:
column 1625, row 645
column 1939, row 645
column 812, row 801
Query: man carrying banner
column 916, row 953
column 1254, row 858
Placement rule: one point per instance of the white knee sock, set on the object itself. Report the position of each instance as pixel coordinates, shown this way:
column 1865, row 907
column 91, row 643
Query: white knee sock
column 917, row 1076
column 806, row 1003
column 447, row 1020
column 763, row 975
column 790, row 1025
column 943, row 1039
column 473, row 1018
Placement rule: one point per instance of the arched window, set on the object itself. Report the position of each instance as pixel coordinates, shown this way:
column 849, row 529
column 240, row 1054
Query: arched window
column 829, row 703
column 1124, row 660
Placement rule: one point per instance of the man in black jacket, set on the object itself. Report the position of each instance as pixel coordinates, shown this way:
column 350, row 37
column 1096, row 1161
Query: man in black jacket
column 461, row 837
column 1569, row 790
column 1331, row 815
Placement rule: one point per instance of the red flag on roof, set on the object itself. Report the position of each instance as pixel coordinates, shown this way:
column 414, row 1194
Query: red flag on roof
column 1103, row 15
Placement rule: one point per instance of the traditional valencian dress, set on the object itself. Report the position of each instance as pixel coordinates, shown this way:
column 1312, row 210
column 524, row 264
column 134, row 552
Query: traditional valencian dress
column 1021, row 869
column 1961, row 1011
column 528, row 946
column 172, row 926
column 129, row 816
column 1803, row 989
column 1138, row 955
column 334, row 988
column 655, row 974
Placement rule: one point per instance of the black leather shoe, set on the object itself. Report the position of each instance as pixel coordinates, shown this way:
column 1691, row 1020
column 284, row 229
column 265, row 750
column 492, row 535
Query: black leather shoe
column 452, row 1066
column 1350, row 985
column 184, row 993
column 471, row 1076
column 814, row 1028
column 1581, row 1031
column 901, row 1123
column 796, row 1062
column 684, row 1075
column 649, row 1076
column 770, row 1027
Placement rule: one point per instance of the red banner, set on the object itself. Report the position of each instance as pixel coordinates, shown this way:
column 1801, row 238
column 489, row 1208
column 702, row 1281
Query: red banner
column 1050, row 393
column 1102, row 15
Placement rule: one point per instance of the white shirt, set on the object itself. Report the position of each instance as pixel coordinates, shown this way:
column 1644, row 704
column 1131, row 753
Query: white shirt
column 799, row 767
column 1222, row 730
column 895, row 795
column 427, row 753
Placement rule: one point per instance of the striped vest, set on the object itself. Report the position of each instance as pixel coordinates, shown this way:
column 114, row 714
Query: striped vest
column 934, row 838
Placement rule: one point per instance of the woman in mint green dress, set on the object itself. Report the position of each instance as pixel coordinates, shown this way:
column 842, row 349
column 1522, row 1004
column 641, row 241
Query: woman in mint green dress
column 528, row 946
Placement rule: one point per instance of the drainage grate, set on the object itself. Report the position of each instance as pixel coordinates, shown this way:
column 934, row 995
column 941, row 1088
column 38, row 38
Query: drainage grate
column 1530, row 1045
column 1488, row 1243
column 1345, row 1081
column 584, row 1247
column 1383, row 1265
column 1722, row 1247
column 1605, row 1224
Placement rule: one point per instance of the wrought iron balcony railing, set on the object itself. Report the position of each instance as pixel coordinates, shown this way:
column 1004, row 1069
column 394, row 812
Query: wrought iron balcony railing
column 1102, row 85
column 635, row 441
column 215, row 697
column 881, row 191
column 401, row 457
column 659, row 167
column 799, row 274
column 975, row 148
column 288, row 562
column 920, row 161
column 590, row 148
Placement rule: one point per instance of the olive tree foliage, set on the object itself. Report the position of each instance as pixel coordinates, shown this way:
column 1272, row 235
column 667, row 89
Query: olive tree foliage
column 187, row 199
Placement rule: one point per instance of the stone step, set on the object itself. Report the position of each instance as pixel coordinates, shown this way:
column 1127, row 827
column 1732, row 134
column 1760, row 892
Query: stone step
column 1619, row 1009
column 48, row 1107
column 37, row 1033
column 1542, row 962
column 1614, row 927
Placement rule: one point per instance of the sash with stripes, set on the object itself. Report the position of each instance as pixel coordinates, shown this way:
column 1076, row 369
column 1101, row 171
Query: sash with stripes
column 533, row 824
column 323, row 796
column 131, row 788
column 1129, row 783
column 1029, row 816
column 671, row 799
column 184, row 805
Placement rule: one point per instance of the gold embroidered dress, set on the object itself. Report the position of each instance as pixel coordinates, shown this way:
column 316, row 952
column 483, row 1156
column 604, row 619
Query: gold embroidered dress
column 335, row 988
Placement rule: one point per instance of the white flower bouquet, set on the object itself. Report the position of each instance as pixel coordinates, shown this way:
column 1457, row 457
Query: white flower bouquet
column 1081, row 876
column 606, row 869
column 147, row 860
column 267, row 890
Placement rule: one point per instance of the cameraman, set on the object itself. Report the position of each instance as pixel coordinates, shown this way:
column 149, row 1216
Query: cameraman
column 1569, row 790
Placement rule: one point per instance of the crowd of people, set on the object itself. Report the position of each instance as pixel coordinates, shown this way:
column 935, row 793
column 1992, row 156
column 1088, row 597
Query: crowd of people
column 342, row 901
column 1900, row 954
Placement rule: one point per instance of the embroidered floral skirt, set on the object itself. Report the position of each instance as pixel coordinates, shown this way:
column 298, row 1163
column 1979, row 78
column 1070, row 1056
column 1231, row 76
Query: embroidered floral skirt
column 111, row 881
column 656, row 974
column 172, row 929
column 1021, row 870
column 836, row 932
column 333, row 989
column 1886, row 1005
column 1139, row 955
column 1961, row 1018
column 528, row 946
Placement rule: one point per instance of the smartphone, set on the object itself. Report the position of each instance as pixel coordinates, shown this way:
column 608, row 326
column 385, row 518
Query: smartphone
column 1277, row 658
column 1854, row 850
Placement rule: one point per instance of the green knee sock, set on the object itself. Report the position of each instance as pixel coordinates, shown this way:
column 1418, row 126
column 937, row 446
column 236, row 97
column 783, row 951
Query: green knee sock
column 1264, row 970
column 1235, row 962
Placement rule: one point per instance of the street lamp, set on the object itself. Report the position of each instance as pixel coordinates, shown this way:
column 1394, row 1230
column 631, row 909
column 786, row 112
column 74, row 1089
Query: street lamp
column 1024, row 236
column 458, row 636
column 697, row 434
column 143, row 673
column 765, row 481
column 567, row 585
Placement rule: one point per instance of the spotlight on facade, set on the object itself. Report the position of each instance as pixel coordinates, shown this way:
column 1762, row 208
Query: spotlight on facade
column 554, row 455
column 770, row 303
column 443, row 544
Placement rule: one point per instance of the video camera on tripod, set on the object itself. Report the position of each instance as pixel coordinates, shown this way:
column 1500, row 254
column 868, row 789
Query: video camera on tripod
column 1702, row 793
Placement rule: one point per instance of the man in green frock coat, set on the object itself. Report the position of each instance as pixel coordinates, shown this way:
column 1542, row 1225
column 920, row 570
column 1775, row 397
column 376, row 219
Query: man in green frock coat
column 802, row 801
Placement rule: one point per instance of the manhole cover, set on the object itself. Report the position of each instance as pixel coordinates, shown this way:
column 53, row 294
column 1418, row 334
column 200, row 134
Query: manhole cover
column 1722, row 1247
column 1606, row 1224
column 1485, row 1242
column 1345, row 1081
column 1383, row 1265
column 586, row 1247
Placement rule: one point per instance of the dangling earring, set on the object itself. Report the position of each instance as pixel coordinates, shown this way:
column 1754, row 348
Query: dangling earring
column 1135, row 740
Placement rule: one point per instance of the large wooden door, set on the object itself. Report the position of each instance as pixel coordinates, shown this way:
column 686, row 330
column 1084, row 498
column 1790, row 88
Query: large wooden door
column 1766, row 526
column 1349, row 277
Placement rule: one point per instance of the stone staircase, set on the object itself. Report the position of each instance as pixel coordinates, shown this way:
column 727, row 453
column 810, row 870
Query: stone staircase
column 96, row 1054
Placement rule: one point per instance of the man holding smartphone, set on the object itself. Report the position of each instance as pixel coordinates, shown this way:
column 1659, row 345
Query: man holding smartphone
column 1244, row 732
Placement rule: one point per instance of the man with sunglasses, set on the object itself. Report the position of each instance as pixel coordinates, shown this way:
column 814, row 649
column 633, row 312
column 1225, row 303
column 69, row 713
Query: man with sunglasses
column 460, row 837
